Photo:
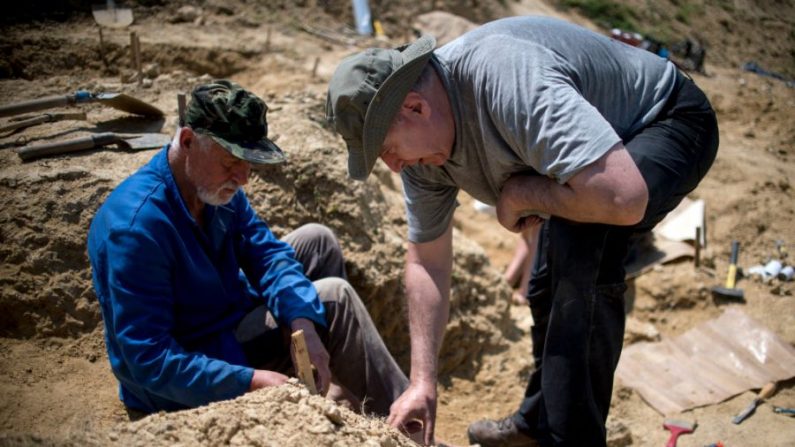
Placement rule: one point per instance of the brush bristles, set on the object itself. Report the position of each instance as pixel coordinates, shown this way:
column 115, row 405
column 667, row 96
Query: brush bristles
column 687, row 425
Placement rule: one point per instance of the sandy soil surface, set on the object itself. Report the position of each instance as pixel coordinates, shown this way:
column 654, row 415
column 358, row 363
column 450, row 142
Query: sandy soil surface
column 55, row 383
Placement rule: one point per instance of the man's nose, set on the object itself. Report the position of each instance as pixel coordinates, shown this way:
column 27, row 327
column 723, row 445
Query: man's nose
column 392, row 162
column 240, row 173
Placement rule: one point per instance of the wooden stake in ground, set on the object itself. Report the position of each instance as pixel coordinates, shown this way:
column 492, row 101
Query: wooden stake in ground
column 135, row 45
column 314, row 67
column 102, row 48
column 697, row 257
column 181, row 109
column 303, row 367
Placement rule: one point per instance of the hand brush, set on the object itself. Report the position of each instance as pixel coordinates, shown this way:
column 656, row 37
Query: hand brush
column 677, row 427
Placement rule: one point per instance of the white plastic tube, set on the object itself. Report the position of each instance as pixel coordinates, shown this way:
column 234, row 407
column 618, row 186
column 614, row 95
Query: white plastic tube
column 364, row 21
column 772, row 268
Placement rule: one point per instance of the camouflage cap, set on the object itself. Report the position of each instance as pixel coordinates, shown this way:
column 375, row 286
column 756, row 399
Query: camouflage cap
column 235, row 119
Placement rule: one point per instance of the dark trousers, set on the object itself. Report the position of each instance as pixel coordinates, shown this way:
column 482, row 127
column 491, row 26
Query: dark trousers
column 576, row 290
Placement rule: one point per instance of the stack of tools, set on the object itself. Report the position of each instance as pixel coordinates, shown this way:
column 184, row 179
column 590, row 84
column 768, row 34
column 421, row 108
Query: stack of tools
column 118, row 101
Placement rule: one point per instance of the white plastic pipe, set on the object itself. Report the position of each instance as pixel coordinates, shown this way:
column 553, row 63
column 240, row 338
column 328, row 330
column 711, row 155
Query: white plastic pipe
column 364, row 20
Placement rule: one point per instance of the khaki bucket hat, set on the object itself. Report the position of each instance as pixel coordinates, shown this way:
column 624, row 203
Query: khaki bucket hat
column 366, row 92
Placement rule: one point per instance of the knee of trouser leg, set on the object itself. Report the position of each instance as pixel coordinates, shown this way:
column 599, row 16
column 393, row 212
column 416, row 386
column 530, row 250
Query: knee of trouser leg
column 334, row 290
column 320, row 232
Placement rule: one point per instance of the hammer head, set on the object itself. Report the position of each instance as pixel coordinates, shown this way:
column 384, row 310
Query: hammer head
column 725, row 292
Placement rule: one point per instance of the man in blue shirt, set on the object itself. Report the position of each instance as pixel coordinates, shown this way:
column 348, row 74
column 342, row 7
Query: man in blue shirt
column 199, row 297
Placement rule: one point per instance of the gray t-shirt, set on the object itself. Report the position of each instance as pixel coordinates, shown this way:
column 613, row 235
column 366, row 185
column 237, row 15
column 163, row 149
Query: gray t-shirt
column 531, row 95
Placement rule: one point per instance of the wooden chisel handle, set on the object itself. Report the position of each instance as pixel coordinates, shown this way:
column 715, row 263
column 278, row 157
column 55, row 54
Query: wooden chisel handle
column 303, row 366
column 46, row 118
column 28, row 153
column 767, row 391
column 25, row 123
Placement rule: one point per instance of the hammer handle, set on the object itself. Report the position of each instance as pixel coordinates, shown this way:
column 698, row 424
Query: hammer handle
column 731, row 278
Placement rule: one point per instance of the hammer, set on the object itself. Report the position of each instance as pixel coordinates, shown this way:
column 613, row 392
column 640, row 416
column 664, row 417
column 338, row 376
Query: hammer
column 730, row 291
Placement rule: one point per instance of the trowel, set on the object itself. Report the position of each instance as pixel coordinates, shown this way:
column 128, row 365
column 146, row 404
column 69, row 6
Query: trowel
column 130, row 142
column 118, row 101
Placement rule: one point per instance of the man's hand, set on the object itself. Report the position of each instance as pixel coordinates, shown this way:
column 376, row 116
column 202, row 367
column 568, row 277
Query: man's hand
column 263, row 378
column 512, row 212
column 416, row 404
column 317, row 352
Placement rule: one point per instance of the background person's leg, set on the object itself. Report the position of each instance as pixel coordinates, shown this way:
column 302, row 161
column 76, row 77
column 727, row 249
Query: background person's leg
column 317, row 249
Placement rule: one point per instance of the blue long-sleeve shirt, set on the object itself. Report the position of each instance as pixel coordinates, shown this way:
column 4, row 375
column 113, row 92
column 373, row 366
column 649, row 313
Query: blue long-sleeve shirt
column 172, row 294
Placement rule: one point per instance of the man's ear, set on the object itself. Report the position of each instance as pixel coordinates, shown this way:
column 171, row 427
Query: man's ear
column 416, row 103
column 187, row 137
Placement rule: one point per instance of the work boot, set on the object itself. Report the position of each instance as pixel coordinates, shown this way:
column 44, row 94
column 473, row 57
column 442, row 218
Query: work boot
column 500, row 433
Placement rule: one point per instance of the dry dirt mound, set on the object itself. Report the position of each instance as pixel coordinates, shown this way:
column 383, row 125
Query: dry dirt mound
column 285, row 415
column 273, row 417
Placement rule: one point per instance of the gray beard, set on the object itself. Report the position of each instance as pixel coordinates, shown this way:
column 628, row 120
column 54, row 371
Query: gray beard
column 217, row 197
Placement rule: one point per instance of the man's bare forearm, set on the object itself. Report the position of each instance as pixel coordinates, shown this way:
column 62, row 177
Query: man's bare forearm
column 428, row 267
column 428, row 300
column 610, row 190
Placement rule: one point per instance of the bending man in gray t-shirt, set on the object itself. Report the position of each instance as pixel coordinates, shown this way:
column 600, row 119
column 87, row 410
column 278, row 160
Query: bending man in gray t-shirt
column 545, row 120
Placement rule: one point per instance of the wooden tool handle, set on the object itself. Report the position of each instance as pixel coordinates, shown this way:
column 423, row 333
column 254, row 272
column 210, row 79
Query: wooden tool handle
column 303, row 367
column 46, row 118
column 768, row 390
column 28, row 153
column 36, row 104
column 25, row 123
